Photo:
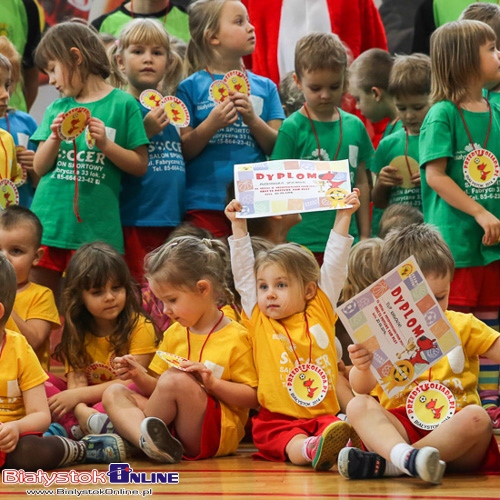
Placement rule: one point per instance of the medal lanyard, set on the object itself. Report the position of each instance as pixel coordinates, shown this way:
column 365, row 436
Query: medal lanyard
column 316, row 134
column 308, row 336
column 393, row 126
column 406, row 153
column 206, row 340
column 75, row 171
column 467, row 129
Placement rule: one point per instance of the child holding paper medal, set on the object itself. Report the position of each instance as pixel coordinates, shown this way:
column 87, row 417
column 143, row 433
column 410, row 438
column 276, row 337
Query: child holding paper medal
column 459, row 434
column 77, row 197
column 153, row 205
column 235, row 114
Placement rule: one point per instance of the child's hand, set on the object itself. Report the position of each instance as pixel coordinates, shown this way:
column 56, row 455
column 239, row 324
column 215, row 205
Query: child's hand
column 62, row 403
column 9, row 436
column 201, row 373
column 155, row 121
column 233, row 207
column 25, row 157
column 223, row 114
column 415, row 179
column 491, row 226
column 97, row 131
column 239, row 225
column 126, row 367
column 54, row 128
column 389, row 177
column 353, row 200
column 244, row 107
column 360, row 356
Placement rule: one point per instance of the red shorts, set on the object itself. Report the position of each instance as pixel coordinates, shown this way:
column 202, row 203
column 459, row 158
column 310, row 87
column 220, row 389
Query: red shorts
column 491, row 462
column 476, row 286
column 139, row 241
column 210, row 431
column 3, row 455
column 273, row 431
column 55, row 259
column 214, row 221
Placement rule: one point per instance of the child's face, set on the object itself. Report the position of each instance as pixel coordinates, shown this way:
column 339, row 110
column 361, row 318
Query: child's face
column 280, row 295
column 59, row 77
column 411, row 111
column 106, row 303
column 143, row 65
column 19, row 247
column 4, row 90
column 368, row 103
column 490, row 63
column 323, row 90
column 440, row 287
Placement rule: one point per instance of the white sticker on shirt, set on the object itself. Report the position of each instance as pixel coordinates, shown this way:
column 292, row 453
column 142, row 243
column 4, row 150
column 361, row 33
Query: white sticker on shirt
column 217, row 370
column 13, row 390
column 257, row 103
column 353, row 156
column 111, row 133
column 320, row 336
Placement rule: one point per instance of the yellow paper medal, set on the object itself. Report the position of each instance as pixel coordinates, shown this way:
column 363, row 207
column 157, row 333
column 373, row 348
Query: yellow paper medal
column 176, row 111
column 218, row 91
column 237, row 81
column 481, row 168
column 307, row 384
column 73, row 123
column 150, row 98
column 172, row 359
column 9, row 195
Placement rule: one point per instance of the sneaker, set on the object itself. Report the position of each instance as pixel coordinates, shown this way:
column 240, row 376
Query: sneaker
column 354, row 439
column 324, row 449
column 99, row 423
column 104, row 449
column 358, row 464
column 494, row 413
column 427, row 465
column 56, row 429
column 157, row 442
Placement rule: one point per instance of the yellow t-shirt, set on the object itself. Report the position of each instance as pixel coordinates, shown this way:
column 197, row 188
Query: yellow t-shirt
column 36, row 302
column 20, row 372
column 229, row 355
column 459, row 370
column 275, row 359
column 142, row 341
column 9, row 168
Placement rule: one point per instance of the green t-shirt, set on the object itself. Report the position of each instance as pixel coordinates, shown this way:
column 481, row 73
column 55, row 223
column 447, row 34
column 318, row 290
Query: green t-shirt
column 450, row 10
column 443, row 136
column 98, row 178
column 296, row 141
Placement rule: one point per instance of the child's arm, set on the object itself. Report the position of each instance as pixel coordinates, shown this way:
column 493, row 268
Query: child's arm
column 194, row 140
column 242, row 258
column 265, row 133
column 47, row 151
column 131, row 161
column 493, row 352
column 360, row 376
column 387, row 179
column 128, row 368
column 448, row 189
column 35, row 330
column 155, row 121
column 37, row 419
column 363, row 215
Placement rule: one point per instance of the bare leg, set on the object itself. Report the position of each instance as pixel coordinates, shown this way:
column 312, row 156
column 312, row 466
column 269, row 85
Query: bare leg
column 294, row 450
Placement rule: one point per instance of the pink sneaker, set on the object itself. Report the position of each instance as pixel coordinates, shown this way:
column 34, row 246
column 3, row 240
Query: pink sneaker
column 494, row 413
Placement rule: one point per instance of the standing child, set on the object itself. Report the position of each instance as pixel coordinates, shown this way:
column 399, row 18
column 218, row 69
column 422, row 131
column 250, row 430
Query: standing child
column 320, row 130
column 205, row 405
column 25, row 413
column 153, row 205
column 291, row 327
column 459, row 150
column 464, row 442
column 82, row 208
column 102, row 319
column 241, row 128
column 35, row 313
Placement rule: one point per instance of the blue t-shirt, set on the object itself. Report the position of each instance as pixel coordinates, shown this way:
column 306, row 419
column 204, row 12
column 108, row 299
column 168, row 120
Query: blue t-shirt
column 208, row 175
column 21, row 126
column 158, row 198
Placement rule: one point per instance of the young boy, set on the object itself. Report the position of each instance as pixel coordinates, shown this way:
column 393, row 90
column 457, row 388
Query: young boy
column 464, row 442
column 24, row 412
column 320, row 130
column 395, row 163
column 35, row 313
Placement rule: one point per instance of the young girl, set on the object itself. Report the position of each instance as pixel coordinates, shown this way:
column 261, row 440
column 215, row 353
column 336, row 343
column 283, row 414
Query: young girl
column 459, row 150
column 103, row 319
column 78, row 209
column 199, row 410
column 290, row 320
column 241, row 129
column 152, row 206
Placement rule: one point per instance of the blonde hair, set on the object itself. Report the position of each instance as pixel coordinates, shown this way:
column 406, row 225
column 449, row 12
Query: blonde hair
column 294, row 259
column 149, row 32
column 398, row 215
column 455, row 58
column 291, row 96
column 363, row 267
column 204, row 17
column 488, row 13
column 410, row 75
column 320, row 51
column 8, row 50
column 372, row 69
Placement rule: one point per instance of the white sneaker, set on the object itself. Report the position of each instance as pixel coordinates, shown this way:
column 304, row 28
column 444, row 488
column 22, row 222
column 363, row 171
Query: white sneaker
column 99, row 423
column 429, row 466
column 157, row 442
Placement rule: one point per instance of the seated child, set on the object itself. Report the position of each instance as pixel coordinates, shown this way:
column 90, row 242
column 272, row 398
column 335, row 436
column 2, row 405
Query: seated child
column 398, row 216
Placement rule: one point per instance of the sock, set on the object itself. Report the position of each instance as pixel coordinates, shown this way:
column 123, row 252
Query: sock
column 400, row 457
column 74, row 451
column 391, row 470
column 305, row 448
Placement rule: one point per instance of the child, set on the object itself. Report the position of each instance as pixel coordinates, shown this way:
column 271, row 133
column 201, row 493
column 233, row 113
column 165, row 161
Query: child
column 409, row 86
column 21, row 126
column 205, row 405
column 76, row 210
column 398, row 216
column 102, row 319
column 464, row 442
column 320, row 130
column 25, row 412
column 290, row 320
column 241, row 129
column 35, row 313
column 153, row 205
column 292, row 99
column 459, row 153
